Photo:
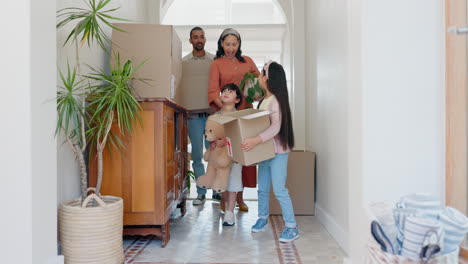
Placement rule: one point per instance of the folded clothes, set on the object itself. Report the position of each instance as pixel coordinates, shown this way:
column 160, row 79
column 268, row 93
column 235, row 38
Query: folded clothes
column 426, row 204
column 420, row 232
column 418, row 227
column 455, row 225
column 381, row 238
column 401, row 214
column 384, row 214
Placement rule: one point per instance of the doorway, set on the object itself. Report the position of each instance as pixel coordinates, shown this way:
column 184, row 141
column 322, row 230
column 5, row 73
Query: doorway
column 261, row 24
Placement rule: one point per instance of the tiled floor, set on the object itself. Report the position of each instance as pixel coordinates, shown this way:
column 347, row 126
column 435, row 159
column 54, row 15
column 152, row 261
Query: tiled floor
column 200, row 238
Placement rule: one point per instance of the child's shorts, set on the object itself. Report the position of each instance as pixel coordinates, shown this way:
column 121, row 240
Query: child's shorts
column 235, row 178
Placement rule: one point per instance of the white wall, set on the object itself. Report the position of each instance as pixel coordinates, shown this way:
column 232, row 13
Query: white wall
column 295, row 16
column 327, row 127
column 28, row 115
column 68, row 173
column 17, row 150
column 403, row 98
column 397, row 104
column 376, row 118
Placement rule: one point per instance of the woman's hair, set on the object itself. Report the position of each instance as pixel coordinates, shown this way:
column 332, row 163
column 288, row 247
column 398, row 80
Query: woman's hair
column 276, row 81
column 224, row 34
column 234, row 87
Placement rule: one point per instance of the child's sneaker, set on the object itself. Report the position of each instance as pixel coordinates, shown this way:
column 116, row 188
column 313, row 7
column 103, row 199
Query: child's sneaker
column 289, row 234
column 260, row 225
column 200, row 200
column 229, row 219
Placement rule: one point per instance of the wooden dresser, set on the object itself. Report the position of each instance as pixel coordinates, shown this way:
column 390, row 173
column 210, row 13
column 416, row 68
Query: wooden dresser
column 150, row 175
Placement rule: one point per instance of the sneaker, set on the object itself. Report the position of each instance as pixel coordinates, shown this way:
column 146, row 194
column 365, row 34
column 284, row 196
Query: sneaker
column 289, row 234
column 229, row 219
column 200, row 200
column 216, row 197
column 260, row 225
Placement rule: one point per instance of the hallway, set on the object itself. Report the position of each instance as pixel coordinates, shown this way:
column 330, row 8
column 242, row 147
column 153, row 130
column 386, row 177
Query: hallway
column 200, row 238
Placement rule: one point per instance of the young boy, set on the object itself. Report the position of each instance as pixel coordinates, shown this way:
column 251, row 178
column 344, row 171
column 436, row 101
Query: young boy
column 231, row 98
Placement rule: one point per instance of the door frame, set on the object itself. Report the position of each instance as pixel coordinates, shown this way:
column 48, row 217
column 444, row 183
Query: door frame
column 456, row 108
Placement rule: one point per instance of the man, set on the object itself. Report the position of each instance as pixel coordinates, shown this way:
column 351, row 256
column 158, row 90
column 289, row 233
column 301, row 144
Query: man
column 197, row 120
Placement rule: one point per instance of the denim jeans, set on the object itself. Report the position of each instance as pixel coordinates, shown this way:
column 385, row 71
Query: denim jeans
column 275, row 171
column 196, row 132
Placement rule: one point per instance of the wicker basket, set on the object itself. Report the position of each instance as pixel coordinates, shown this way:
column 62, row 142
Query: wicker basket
column 376, row 256
column 92, row 234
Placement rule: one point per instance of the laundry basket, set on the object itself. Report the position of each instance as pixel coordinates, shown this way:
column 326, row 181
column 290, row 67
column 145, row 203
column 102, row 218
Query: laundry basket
column 92, row 234
column 376, row 256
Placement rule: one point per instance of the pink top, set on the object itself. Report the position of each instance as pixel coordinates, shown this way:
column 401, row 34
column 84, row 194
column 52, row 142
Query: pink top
column 273, row 130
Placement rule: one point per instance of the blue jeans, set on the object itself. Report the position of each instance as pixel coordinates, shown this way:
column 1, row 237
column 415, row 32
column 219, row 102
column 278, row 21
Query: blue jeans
column 275, row 171
column 196, row 132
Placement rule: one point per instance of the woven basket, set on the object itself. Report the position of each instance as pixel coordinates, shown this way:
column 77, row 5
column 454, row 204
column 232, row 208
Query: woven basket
column 92, row 234
column 376, row 256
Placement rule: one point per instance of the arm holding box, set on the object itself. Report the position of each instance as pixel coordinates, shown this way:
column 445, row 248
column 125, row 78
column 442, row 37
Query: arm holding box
column 270, row 132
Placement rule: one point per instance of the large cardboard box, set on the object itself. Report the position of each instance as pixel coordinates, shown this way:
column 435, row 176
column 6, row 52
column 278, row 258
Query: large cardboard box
column 193, row 90
column 300, row 182
column 244, row 124
column 161, row 47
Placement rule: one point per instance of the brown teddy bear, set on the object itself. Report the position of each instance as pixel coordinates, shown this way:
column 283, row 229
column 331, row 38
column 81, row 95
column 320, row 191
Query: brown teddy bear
column 219, row 162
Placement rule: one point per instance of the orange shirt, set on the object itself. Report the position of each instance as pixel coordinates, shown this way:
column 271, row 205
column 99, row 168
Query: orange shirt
column 224, row 71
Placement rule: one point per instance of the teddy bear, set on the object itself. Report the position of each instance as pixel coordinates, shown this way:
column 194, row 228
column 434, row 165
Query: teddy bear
column 219, row 162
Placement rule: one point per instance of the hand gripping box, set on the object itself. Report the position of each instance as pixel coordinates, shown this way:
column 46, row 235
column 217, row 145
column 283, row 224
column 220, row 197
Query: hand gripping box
column 161, row 47
column 244, row 124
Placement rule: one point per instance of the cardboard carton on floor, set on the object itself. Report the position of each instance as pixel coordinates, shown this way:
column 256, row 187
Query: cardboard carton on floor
column 193, row 90
column 244, row 124
column 300, row 182
column 163, row 49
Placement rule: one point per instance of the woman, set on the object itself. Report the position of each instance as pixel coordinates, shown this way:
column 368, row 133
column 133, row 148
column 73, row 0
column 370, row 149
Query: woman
column 229, row 66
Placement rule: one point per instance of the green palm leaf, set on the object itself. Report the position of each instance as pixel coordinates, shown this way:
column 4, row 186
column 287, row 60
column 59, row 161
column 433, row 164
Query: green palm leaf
column 112, row 100
column 88, row 26
column 69, row 105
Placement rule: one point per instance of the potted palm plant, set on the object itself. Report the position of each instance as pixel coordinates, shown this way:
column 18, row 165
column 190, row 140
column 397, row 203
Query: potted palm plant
column 88, row 106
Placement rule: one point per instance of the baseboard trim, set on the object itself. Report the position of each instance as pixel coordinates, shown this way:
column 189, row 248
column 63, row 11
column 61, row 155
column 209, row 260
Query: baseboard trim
column 335, row 230
column 56, row 260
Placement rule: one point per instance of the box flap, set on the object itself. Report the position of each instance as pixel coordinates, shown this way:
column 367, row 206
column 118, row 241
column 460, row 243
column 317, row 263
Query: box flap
column 222, row 119
column 255, row 115
column 244, row 112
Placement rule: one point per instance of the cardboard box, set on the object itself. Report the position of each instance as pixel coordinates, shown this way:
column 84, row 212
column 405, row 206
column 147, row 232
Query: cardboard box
column 244, row 124
column 193, row 90
column 161, row 47
column 300, row 182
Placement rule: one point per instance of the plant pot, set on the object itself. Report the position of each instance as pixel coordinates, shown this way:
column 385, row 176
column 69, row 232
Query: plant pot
column 92, row 234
